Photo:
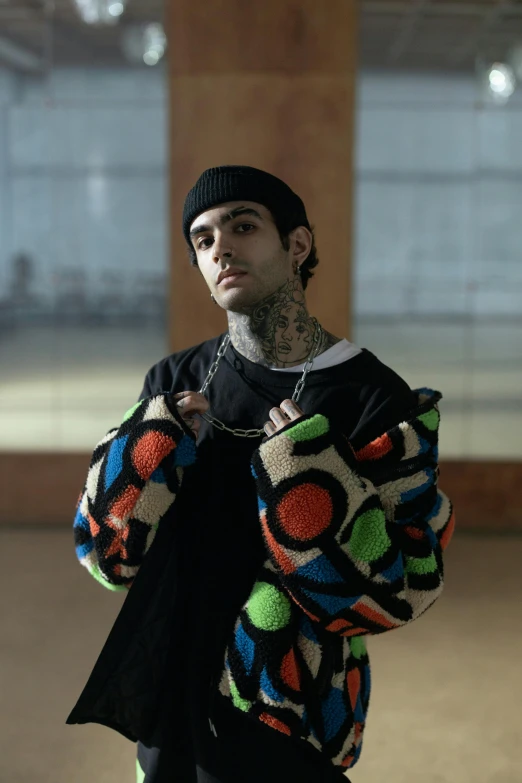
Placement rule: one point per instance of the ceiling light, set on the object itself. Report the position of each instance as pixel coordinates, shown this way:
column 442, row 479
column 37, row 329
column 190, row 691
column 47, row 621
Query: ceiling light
column 100, row 11
column 501, row 80
column 116, row 9
column 151, row 57
column 145, row 44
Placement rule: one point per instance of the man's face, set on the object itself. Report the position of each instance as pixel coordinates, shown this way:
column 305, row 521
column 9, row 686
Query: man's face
column 240, row 236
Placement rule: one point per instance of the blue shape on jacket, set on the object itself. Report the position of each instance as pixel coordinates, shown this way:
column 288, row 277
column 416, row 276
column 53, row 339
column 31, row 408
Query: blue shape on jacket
column 332, row 603
column 334, row 713
column 424, row 444
column 246, row 648
column 261, row 505
column 305, row 626
column 411, row 494
column 185, row 453
column 81, row 522
column 320, row 570
column 395, row 571
column 114, row 462
column 158, row 477
column 268, row 687
column 432, row 536
column 435, row 510
column 358, row 712
column 84, row 549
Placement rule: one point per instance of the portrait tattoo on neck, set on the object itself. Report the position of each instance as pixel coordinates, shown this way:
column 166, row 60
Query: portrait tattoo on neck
column 279, row 331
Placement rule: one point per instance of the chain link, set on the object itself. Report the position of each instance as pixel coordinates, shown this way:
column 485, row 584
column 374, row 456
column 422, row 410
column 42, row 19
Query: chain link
column 308, row 366
column 215, row 364
column 255, row 433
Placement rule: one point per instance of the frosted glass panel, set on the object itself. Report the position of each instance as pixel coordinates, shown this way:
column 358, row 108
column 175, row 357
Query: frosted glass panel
column 83, row 258
column 438, row 253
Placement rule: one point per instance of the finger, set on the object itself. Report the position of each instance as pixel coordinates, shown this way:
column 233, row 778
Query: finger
column 292, row 409
column 278, row 417
column 181, row 399
column 191, row 402
column 269, row 428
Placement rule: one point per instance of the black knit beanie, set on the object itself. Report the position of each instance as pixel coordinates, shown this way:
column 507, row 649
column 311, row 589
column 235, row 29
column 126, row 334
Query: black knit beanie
column 244, row 183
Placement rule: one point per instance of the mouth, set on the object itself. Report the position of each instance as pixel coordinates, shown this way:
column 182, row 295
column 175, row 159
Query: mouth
column 231, row 278
column 284, row 348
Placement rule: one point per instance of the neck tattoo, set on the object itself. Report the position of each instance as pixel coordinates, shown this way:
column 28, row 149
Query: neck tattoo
column 256, row 433
column 278, row 331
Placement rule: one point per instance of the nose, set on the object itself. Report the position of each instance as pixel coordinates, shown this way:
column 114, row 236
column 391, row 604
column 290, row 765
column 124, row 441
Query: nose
column 221, row 248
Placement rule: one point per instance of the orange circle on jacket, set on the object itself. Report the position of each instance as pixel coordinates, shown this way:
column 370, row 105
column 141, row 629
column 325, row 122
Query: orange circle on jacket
column 305, row 511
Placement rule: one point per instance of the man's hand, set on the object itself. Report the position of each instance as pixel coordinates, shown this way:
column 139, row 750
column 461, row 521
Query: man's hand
column 289, row 411
column 190, row 404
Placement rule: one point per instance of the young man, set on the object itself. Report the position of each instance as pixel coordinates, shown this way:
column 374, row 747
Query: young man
column 282, row 484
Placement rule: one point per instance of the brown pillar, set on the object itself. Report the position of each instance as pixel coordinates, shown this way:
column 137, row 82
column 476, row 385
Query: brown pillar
column 270, row 85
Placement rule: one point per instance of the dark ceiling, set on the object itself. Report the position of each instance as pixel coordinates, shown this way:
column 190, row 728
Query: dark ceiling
column 52, row 30
column 437, row 34
column 412, row 34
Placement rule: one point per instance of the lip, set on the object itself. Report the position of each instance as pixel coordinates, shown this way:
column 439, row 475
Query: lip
column 230, row 275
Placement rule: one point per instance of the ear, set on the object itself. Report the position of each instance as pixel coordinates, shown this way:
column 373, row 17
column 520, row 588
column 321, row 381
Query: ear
column 300, row 244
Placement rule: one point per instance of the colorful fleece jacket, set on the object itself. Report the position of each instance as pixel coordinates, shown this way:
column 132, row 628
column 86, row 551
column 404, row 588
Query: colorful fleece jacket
column 354, row 543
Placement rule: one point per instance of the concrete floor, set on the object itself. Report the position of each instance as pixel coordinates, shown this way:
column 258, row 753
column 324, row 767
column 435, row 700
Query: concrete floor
column 63, row 387
column 446, row 696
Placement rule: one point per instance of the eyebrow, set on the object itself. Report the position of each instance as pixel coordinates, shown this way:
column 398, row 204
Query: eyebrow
column 226, row 218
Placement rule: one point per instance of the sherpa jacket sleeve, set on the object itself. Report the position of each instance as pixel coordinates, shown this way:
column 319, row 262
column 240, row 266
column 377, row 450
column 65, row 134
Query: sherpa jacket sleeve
column 134, row 476
column 356, row 538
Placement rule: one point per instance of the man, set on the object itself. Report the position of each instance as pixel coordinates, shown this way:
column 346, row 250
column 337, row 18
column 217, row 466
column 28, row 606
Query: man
column 282, row 483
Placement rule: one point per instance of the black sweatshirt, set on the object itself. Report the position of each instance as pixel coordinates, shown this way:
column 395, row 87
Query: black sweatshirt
column 223, row 550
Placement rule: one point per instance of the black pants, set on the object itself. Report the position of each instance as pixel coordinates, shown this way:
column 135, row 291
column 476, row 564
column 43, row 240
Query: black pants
column 243, row 752
column 185, row 770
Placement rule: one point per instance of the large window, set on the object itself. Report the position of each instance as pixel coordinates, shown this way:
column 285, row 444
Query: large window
column 438, row 254
column 83, row 257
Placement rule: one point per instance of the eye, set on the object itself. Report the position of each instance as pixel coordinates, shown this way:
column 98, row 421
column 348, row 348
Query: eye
column 300, row 329
column 246, row 226
column 201, row 242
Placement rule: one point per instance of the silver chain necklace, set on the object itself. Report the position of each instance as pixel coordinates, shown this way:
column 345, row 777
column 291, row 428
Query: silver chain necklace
column 253, row 433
